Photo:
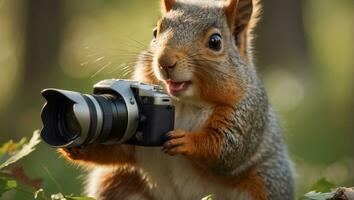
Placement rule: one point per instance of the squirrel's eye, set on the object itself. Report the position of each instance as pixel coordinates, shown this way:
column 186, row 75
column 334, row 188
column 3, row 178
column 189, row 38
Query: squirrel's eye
column 215, row 42
column 154, row 31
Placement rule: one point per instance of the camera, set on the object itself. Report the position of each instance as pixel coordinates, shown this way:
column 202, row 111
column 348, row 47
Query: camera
column 118, row 111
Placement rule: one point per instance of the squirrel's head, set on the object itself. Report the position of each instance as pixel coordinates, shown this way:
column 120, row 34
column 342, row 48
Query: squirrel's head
column 200, row 49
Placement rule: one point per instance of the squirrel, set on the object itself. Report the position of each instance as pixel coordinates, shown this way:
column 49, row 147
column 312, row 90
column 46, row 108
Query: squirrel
column 227, row 139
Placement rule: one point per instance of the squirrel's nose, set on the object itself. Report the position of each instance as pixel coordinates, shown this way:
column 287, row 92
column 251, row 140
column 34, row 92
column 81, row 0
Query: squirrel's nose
column 167, row 61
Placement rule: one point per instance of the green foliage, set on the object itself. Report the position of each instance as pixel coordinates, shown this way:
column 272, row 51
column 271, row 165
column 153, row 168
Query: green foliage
column 318, row 195
column 78, row 198
column 322, row 185
column 321, row 190
column 6, row 185
column 10, row 153
column 11, row 148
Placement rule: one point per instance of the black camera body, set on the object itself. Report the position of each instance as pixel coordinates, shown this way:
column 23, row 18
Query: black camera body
column 155, row 123
column 119, row 111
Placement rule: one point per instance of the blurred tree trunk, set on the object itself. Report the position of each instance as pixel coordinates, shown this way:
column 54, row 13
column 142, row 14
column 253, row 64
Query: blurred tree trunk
column 43, row 36
column 281, row 36
column 351, row 128
column 42, row 22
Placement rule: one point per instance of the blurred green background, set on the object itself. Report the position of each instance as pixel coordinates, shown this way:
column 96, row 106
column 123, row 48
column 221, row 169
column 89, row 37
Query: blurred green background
column 304, row 52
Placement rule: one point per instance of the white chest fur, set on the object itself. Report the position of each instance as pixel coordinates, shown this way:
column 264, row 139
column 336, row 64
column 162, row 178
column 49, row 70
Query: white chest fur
column 191, row 118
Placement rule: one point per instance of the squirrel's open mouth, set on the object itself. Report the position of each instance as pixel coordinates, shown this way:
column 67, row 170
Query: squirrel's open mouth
column 176, row 87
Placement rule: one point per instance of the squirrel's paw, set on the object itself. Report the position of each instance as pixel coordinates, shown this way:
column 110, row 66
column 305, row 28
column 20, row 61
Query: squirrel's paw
column 73, row 153
column 180, row 142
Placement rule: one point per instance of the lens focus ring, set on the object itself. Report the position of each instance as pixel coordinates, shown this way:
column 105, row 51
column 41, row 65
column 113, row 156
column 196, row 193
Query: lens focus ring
column 96, row 118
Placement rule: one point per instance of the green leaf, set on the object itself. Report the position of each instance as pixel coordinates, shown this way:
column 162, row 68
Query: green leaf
column 24, row 151
column 6, row 185
column 322, row 185
column 10, row 147
column 318, row 195
column 209, row 197
column 60, row 196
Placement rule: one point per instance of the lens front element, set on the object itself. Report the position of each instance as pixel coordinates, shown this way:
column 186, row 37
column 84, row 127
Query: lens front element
column 68, row 123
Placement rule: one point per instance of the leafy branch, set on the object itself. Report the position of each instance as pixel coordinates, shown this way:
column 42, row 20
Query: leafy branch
column 15, row 178
column 325, row 190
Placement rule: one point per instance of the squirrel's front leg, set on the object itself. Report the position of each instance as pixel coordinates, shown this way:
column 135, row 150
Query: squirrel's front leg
column 217, row 145
column 204, row 145
column 101, row 154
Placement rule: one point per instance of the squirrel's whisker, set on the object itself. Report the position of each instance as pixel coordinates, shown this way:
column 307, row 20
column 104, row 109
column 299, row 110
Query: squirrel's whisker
column 101, row 69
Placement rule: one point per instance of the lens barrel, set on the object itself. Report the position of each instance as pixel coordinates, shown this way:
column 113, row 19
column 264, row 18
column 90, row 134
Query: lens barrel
column 114, row 113
column 73, row 119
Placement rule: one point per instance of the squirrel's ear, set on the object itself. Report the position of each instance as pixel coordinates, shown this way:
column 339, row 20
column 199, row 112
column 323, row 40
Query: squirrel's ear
column 242, row 17
column 167, row 5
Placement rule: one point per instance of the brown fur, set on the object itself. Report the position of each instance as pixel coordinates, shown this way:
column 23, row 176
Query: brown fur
column 100, row 154
column 230, row 7
column 147, row 71
column 122, row 183
column 227, row 93
column 167, row 5
column 252, row 183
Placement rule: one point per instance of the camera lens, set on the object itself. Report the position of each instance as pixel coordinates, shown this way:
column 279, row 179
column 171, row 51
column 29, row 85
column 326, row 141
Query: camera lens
column 72, row 119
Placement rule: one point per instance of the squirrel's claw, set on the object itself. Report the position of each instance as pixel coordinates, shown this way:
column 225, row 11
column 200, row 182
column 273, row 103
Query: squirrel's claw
column 180, row 142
